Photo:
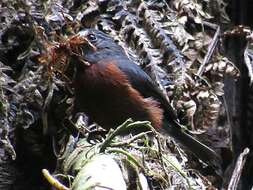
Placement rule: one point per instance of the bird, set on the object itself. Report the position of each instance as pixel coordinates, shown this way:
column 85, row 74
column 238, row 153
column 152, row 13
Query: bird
column 112, row 88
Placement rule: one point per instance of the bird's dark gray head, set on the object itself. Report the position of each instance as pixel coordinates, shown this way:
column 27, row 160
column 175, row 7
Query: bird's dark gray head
column 99, row 39
column 105, row 46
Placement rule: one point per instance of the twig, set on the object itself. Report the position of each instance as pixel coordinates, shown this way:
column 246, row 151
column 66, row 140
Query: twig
column 114, row 134
column 210, row 51
column 209, row 24
column 69, row 147
column 45, row 107
column 160, row 153
column 128, row 124
column 129, row 156
column 129, row 141
column 238, row 170
column 248, row 63
column 53, row 181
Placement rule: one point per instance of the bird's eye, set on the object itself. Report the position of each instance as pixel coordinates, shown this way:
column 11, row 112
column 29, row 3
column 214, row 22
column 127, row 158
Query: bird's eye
column 91, row 37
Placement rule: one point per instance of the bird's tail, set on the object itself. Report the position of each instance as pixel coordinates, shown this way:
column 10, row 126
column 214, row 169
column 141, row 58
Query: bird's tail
column 199, row 149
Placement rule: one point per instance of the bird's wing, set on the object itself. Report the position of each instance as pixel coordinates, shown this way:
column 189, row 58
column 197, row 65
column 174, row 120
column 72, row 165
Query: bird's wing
column 141, row 81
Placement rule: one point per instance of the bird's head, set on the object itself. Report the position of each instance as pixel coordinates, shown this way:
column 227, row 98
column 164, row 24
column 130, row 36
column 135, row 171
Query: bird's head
column 99, row 39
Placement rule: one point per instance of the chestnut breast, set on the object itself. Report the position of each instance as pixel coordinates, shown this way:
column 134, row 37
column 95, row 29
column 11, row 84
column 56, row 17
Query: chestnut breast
column 104, row 93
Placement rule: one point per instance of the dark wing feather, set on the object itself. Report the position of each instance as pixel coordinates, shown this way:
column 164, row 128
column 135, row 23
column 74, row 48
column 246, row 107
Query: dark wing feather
column 141, row 81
